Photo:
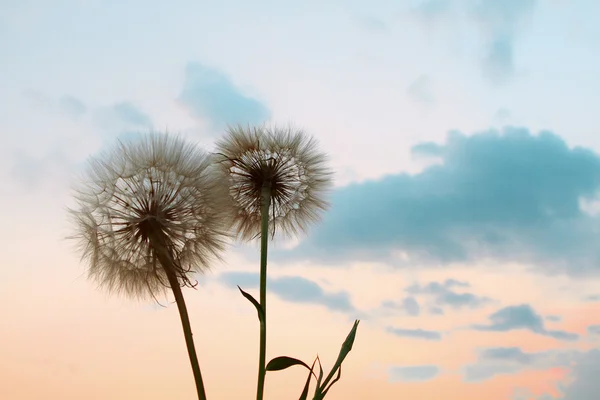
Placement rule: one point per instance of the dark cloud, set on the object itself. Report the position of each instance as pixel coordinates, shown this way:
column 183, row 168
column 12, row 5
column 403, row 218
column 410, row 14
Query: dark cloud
column 511, row 360
column 415, row 333
column 211, row 95
column 522, row 317
column 413, row 373
column 510, row 196
column 291, row 288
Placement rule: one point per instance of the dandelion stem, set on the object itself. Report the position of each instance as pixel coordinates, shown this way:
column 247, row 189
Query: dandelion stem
column 264, row 242
column 166, row 260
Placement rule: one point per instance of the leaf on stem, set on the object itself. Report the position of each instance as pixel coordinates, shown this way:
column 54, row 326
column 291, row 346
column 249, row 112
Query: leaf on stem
column 252, row 300
column 337, row 378
column 304, row 394
column 346, row 348
column 283, row 362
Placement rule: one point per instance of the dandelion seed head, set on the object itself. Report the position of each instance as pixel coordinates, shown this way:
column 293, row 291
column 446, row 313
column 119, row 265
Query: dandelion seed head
column 289, row 163
column 158, row 186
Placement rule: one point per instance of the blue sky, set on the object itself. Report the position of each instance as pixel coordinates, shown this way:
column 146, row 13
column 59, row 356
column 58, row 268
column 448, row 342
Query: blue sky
column 464, row 137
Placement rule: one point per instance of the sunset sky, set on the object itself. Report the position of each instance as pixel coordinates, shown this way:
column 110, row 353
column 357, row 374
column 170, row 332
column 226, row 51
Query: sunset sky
column 464, row 228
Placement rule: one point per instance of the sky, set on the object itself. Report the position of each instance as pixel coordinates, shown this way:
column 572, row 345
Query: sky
column 463, row 225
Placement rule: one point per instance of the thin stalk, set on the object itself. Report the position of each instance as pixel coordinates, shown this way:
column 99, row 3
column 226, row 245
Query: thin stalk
column 264, row 242
column 167, row 262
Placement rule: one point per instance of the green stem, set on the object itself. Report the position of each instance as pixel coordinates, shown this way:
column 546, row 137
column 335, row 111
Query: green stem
column 264, row 242
column 187, row 332
column 167, row 262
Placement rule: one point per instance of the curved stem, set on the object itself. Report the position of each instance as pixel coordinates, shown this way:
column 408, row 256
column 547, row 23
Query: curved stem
column 264, row 242
column 167, row 262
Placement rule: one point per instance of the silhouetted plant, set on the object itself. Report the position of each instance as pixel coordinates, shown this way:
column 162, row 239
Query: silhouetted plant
column 322, row 387
column 149, row 214
column 277, row 182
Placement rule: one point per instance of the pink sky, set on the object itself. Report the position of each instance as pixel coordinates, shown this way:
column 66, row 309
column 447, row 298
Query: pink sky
column 510, row 214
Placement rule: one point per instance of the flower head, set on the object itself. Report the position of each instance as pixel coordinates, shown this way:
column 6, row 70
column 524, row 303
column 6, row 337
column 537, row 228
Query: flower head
column 284, row 160
column 143, row 197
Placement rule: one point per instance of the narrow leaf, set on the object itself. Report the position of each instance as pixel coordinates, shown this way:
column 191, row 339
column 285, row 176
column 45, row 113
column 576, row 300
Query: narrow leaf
column 256, row 304
column 318, row 387
column 283, row 362
column 304, row 394
column 350, row 339
column 337, row 378
column 346, row 347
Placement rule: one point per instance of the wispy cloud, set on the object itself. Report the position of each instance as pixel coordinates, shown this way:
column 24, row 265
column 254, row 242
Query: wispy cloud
column 444, row 295
column 72, row 106
column 211, row 95
column 420, row 91
column 409, row 305
column 511, row 360
column 122, row 116
column 593, row 329
column 413, row 373
column 415, row 333
column 522, row 317
column 294, row 289
column 500, row 22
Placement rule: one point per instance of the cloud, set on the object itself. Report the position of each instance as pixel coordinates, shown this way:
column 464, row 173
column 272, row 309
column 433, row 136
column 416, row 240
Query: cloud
column 443, row 294
column 431, row 9
column 553, row 318
column 72, row 106
column 67, row 105
column 31, row 171
column 583, row 381
column 593, row 329
column 509, row 196
column 435, row 310
column 502, row 114
column 499, row 25
column 415, row 333
column 130, row 114
column 420, row 91
column 413, row 373
column 209, row 94
column 372, row 24
column 500, row 22
column 122, row 116
column 511, row 360
column 291, row 288
column 409, row 305
column 522, row 317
